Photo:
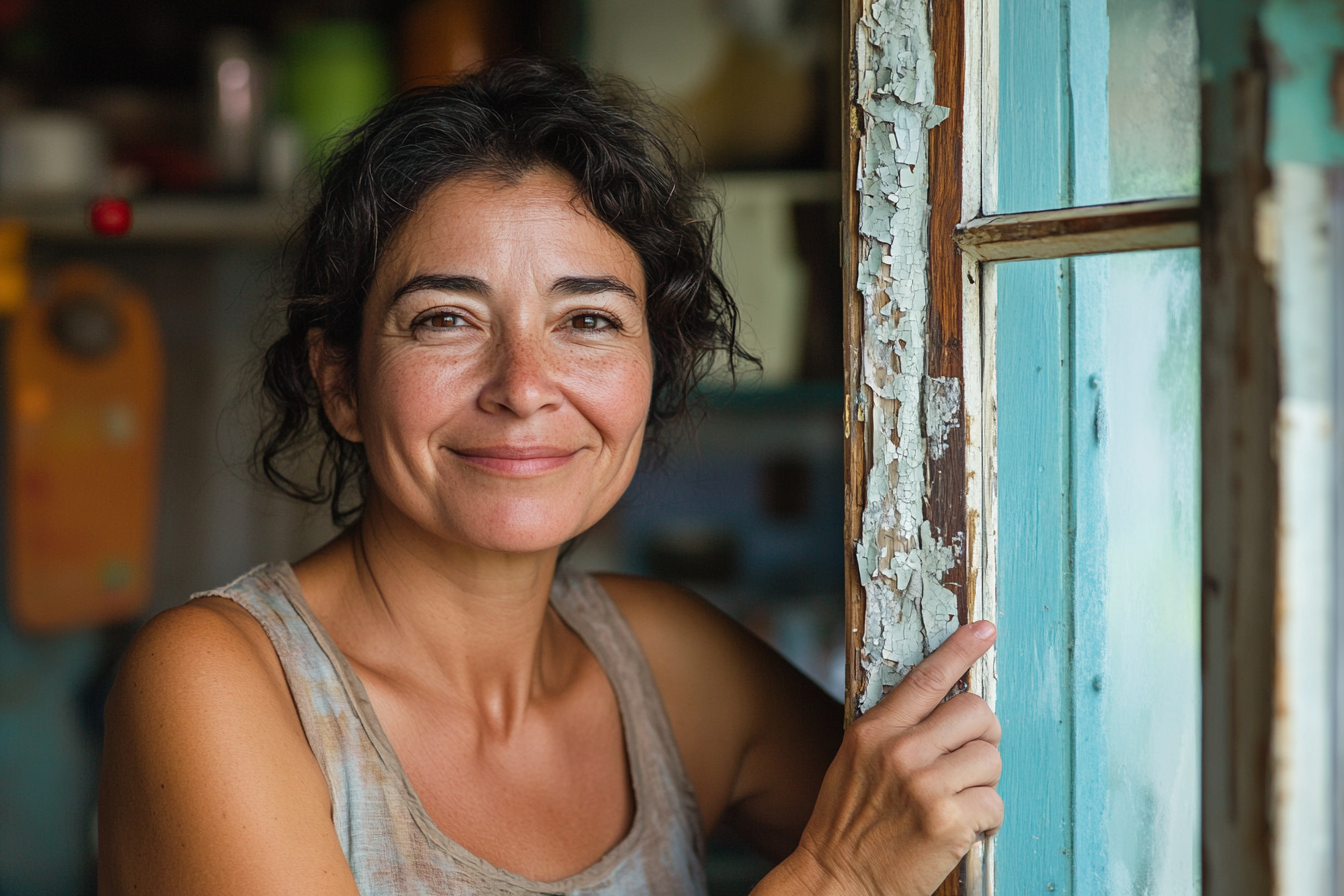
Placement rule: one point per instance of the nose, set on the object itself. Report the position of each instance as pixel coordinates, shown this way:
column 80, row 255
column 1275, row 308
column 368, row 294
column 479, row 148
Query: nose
column 522, row 381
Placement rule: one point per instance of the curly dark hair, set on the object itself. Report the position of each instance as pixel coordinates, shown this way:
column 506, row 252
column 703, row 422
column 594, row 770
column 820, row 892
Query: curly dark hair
column 506, row 119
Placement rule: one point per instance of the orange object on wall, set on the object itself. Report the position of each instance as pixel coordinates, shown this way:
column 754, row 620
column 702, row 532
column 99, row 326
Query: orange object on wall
column 440, row 38
column 84, row 416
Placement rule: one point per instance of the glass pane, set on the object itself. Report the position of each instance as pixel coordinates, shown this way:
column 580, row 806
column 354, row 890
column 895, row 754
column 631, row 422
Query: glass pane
column 1098, row 102
column 1115, row 674
column 1138, row 330
column 1153, row 99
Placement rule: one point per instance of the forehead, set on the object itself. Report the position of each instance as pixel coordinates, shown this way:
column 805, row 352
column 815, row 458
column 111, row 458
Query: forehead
column 483, row 223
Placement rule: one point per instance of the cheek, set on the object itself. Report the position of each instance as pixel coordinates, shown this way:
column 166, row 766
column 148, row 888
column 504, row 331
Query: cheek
column 613, row 392
column 404, row 394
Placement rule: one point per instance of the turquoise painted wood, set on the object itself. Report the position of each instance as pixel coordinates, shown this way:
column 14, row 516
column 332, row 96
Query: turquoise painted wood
column 1034, row 853
column 1303, row 126
column 1098, row 440
column 47, row 763
column 1089, row 145
column 1035, row 845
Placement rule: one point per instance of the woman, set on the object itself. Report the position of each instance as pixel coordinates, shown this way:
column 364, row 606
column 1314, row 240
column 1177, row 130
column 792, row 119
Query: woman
column 504, row 290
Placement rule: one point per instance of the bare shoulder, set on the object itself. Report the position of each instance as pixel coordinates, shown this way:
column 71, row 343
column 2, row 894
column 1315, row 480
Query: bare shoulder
column 198, row 651
column 206, row 766
column 686, row 638
column 727, row 693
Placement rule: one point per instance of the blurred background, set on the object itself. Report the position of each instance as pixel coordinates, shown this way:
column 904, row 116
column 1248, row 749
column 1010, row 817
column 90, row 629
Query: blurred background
column 154, row 154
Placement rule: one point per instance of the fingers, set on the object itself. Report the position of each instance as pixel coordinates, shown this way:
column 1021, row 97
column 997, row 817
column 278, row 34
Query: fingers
column 976, row 765
column 928, row 683
column 964, row 718
column 982, row 808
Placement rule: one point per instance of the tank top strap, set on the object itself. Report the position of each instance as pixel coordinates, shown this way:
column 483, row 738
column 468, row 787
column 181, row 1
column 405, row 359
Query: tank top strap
column 653, row 753
column 326, row 693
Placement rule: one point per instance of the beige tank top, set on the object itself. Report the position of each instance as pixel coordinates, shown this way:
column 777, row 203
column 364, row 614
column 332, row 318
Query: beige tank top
column 391, row 843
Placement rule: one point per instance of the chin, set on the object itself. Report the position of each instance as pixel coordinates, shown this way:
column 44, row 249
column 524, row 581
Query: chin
column 520, row 527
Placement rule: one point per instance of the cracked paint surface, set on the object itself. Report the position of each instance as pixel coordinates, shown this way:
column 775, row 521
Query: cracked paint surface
column 901, row 564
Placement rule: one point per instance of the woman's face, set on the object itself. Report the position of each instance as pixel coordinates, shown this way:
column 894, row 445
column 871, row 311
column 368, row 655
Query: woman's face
column 505, row 369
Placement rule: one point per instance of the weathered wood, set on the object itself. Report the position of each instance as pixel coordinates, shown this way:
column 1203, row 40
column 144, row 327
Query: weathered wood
column 1337, row 285
column 945, row 390
column 979, row 114
column 1086, row 230
column 945, row 505
column 857, row 457
column 1239, row 479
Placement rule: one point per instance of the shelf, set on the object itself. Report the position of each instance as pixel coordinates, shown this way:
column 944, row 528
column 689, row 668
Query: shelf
column 162, row 221
column 200, row 219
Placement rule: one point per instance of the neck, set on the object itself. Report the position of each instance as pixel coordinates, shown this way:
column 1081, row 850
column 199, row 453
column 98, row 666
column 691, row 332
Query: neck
column 405, row 605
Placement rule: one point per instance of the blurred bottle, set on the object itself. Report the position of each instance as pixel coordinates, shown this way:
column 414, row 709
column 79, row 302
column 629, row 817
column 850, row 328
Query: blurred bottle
column 440, row 38
column 336, row 73
column 283, row 155
column 743, row 73
column 235, row 76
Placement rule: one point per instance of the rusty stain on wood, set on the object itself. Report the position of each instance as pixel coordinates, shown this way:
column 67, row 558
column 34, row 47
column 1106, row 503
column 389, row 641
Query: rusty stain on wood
column 946, row 502
column 1086, row 230
column 856, row 444
column 945, row 505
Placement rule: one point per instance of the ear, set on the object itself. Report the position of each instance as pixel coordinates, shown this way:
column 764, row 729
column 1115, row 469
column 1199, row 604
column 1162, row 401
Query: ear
column 332, row 375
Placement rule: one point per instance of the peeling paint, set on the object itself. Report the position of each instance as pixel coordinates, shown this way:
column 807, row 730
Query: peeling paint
column 901, row 564
column 942, row 400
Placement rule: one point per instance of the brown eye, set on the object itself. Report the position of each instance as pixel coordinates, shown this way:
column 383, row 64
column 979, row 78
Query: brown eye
column 442, row 321
column 590, row 322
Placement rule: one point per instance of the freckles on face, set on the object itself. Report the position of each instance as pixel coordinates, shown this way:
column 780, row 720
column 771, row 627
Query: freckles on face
column 505, row 364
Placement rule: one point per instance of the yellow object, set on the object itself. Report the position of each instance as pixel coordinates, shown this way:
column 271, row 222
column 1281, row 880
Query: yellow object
column 85, row 407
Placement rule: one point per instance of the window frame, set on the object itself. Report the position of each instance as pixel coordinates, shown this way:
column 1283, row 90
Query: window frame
column 964, row 243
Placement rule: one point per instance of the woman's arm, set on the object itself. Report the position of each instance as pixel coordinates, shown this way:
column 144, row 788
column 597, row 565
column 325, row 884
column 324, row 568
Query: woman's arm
column 756, row 734
column 891, row 809
column 208, row 783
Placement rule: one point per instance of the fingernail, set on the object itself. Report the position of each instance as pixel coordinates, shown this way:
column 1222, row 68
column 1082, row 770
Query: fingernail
column 983, row 630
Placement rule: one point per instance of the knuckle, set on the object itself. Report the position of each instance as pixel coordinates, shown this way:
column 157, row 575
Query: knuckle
column 865, row 736
column 994, row 760
column 924, row 787
column 942, row 822
column 996, row 810
column 899, row 758
column 975, row 704
column 972, row 707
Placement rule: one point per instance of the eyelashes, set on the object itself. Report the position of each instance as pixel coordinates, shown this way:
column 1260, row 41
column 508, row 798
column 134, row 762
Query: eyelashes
column 438, row 320
column 442, row 320
column 592, row 320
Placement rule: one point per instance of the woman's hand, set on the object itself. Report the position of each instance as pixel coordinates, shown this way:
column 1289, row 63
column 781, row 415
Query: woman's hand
column 911, row 789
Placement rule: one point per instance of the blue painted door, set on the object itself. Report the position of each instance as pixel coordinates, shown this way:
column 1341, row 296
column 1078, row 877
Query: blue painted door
column 1098, row 410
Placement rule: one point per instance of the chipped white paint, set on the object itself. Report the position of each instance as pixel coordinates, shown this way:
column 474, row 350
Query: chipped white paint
column 908, row 610
column 978, row 297
column 1300, row 745
column 942, row 400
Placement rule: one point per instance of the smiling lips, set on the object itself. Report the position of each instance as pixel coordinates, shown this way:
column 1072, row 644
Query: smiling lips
column 512, row 461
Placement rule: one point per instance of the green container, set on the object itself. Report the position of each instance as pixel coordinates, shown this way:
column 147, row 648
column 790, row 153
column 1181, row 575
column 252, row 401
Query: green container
column 336, row 74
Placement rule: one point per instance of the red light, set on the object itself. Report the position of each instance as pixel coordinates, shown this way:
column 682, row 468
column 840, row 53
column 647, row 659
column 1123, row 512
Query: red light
column 110, row 216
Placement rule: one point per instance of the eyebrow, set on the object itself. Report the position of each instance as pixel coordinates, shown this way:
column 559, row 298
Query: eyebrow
column 457, row 283
column 565, row 286
column 587, row 286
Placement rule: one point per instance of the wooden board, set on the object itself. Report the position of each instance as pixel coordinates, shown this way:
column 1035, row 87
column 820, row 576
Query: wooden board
column 857, row 457
column 84, row 414
column 1084, row 230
